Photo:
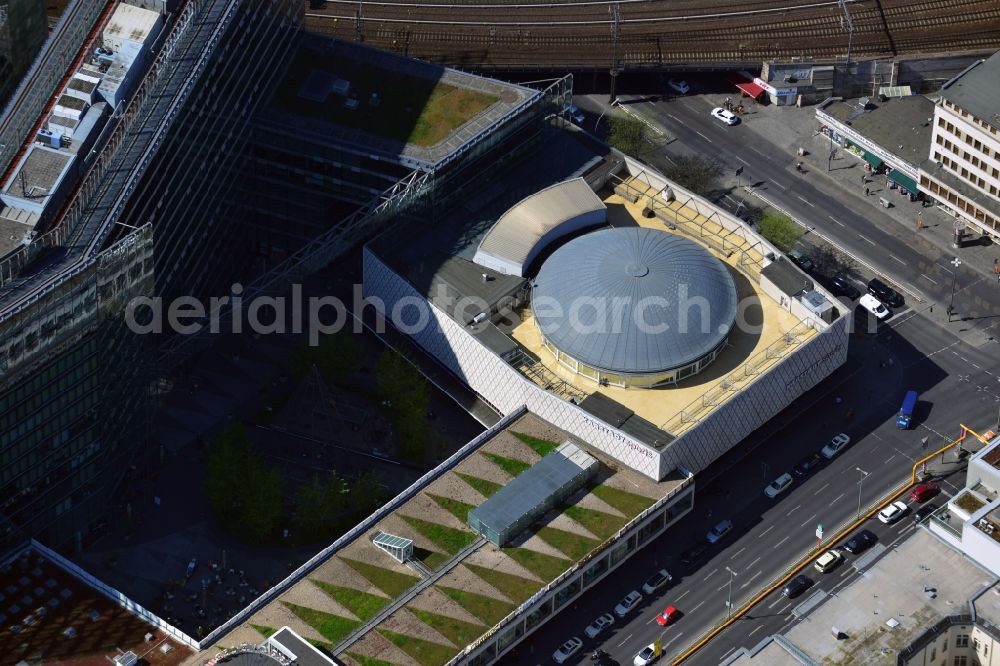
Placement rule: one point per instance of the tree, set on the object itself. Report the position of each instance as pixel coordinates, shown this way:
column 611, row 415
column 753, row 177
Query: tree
column 339, row 356
column 627, row 134
column 779, row 229
column 406, row 390
column 262, row 502
column 319, row 506
column 366, row 495
column 224, row 472
column 695, row 173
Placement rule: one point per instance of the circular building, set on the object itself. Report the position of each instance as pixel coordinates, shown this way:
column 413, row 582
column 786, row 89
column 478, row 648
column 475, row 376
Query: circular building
column 634, row 306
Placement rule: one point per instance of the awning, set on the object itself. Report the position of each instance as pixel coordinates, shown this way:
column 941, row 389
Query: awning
column 905, row 181
column 751, row 89
column 874, row 160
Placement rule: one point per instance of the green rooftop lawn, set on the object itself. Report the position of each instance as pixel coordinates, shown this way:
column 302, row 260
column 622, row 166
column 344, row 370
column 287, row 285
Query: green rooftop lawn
column 509, row 465
column 597, row 523
column 481, row 486
column 515, row 588
column 367, row 661
column 544, row 566
column 458, row 509
column 628, row 503
column 322, row 645
column 446, row 538
column 432, row 559
column 458, row 632
column 424, row 652
column 264, row 631
column 542, row 447
column 411, row 109
column 573, row 545
column 487, row 609
column 365, row 606
column 391, row 582
column 332, row 627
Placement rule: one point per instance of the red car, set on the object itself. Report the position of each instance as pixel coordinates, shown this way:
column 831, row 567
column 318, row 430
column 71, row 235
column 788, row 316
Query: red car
column 668, row 615
column 924, row 491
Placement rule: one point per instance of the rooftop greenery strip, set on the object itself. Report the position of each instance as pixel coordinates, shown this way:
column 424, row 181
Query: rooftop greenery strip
column 487, row 609
column 628, row 503
column 332, row 627
column 482, row 486
column 598, row 523
column 392, row 583
column 365, row 606
column 456, row 508
column 544, row 566
column 572, row 545
column 509, row 465
column 367, row 661
column 424, row 652
column 542, row 447
column 458, row 632
column 447, row 538
column 515, row 588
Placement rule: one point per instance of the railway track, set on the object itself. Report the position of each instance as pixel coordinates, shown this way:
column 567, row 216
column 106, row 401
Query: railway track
column 493, row 34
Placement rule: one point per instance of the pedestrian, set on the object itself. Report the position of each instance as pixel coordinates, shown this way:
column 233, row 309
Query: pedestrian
column 866, row 190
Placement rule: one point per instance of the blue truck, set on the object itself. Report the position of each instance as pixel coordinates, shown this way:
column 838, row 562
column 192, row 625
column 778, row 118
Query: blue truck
column 906, row 411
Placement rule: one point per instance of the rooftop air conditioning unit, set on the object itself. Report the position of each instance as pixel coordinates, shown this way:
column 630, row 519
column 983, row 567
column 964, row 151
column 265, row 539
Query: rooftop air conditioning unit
column 126, row 659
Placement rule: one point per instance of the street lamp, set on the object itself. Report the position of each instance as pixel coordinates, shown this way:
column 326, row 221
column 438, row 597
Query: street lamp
column 613, row 105
column 956, row 262
column 863, row 475
column 729, row 604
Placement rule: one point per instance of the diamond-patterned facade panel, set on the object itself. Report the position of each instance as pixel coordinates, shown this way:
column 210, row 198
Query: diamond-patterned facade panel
column 507, row 390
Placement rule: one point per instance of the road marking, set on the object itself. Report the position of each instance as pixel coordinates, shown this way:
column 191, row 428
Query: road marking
column 738, row 552
column 759, row 153
column 892, row 256
column 709, row 575
column 726, row 653
column 724, row 586
column 775, row 603
column 626, row 639
column 753, row 563
column 866, row 239
column 767, row 530
column 836, row 220
column 890, row 459
column 847, row 572
column 785, row 607
column 805, row 201
column 676, row 636
column 742, row 160
column 781, row 542
column 927, row 277
column 755, row 631
column 703, row 136
column 700, row 604
column 797, row 506
column 751, row 578
column 825, row 486
column 837, row 498
column 683, row 595
column 809, row 520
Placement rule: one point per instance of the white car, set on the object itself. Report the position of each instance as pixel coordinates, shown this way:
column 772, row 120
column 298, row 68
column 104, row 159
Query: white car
column 727, row 117
column 566, row 650
column 679, row 87
column 836, row 445
column 628, row 603
column 828, row 560
column 893, row 512
column 599, row 625
column 872, row 304
column 656, row 581
column 646, row 657
column 779, row 485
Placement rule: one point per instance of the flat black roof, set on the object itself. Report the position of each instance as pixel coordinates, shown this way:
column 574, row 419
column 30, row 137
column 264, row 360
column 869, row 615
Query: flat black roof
column 975, row 90
column 618, row 415
column 902, row 126
column 787, row 277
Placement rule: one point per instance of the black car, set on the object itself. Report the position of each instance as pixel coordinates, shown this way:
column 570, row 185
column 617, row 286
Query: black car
column 694, row 554
column 797, row 586
column 807, row 465
column 841, row 286
column 923, row 512
column 883, row 292
column 860, row 542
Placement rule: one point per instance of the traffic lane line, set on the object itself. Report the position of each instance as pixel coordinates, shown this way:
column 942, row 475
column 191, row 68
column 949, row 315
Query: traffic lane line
column 867, row 240
column 928, row 278
column 703, row 136
column 892, row 256
column 805, row 201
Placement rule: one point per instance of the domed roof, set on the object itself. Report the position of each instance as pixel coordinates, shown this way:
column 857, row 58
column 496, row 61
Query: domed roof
column 634, row 300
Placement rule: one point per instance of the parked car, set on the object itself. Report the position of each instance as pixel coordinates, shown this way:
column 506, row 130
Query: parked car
column 924, row 491
column 923, row 512
column 828, row 561
column 679, row 87
column 801, row 260
column 719, row 531
column 841, row 286
column 727, row 117
column 836, row 445
column 628, row 603
column 656, row 581
column 599, row 625
column 797, row 586
column 874, row 306
column 575, row 113
column 893, row 512
column 668, row 615
column 807, row 465
column 646, row 656
column 885, row 293
column 779, row 485
column 566, row 650
column 860, row 542
column 695, row 553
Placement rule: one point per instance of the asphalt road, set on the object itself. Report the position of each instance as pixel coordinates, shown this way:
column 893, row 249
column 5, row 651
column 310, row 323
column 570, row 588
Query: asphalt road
column 958, row 384
column 857, row 227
